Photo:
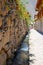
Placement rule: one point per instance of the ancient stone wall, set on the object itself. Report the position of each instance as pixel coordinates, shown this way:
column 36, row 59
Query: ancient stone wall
column 12, row 30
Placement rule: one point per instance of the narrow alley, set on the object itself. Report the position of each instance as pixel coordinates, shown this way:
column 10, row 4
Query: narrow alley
column 21, row 32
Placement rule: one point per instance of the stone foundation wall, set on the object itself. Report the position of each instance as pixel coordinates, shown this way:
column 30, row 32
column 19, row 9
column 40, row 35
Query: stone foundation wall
column 12, row 30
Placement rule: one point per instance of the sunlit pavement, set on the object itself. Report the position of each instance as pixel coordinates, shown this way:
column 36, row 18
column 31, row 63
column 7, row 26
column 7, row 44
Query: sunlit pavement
column 36, row 47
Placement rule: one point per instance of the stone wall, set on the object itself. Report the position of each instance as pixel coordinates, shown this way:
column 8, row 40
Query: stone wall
column 12, row 30
column 39, row 25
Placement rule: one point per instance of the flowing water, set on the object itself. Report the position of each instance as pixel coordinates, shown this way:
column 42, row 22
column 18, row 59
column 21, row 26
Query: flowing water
column 22, row 57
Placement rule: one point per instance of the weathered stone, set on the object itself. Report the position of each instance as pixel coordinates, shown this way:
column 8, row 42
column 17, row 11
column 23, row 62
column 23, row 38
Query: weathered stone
column 3, row 58
column 13, row 29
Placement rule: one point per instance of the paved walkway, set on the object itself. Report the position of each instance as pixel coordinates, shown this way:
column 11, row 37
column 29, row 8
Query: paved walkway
column 36, row 47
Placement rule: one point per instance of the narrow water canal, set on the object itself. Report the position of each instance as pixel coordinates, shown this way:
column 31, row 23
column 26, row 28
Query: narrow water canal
column 22, row 54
